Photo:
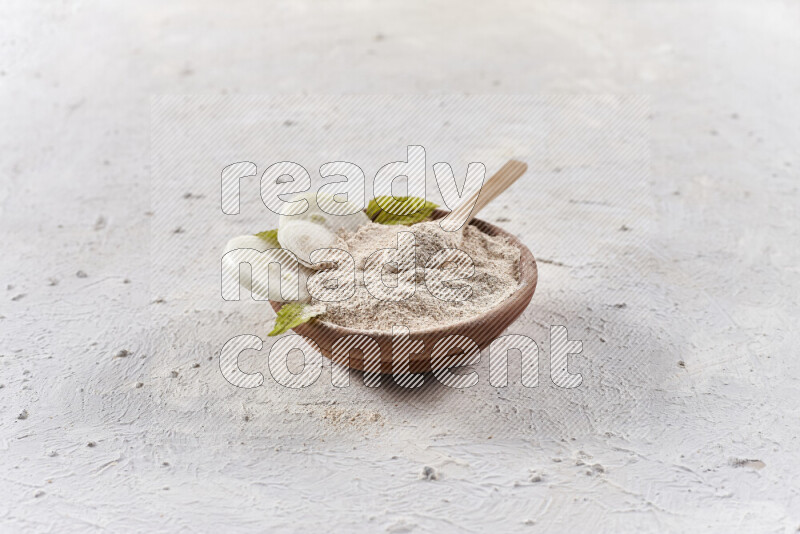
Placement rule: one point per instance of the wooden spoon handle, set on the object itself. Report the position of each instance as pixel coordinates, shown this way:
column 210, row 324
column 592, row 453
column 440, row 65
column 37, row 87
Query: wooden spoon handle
column 495, row 185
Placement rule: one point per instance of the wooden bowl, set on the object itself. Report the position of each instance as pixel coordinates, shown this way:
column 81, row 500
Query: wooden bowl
column 482, row 329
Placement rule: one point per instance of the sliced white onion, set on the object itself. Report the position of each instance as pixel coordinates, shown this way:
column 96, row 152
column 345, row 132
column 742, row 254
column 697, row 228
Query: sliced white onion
column 331, row 217
column 315, row 229
column 251, row 250
column 303, row 238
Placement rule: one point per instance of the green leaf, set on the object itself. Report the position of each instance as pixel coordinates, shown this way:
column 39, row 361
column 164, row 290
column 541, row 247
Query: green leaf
column 270, row 236
column 400, row 210
column 292, row 314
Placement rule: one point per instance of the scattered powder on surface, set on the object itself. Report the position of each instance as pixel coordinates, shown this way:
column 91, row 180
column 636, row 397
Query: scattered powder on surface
column 342, row 417
column 496, row 278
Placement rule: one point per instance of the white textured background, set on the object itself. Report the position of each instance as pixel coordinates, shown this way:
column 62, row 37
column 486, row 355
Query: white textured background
column 709, row 444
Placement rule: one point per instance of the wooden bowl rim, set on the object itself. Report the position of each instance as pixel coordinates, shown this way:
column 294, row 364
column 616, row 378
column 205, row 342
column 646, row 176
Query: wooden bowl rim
column 528, row 274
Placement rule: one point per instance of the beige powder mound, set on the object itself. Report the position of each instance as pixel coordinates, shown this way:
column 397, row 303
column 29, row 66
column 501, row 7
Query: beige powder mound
column 496, row 278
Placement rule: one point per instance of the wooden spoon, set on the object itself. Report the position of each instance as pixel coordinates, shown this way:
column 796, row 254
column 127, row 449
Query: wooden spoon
column 495, row 185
